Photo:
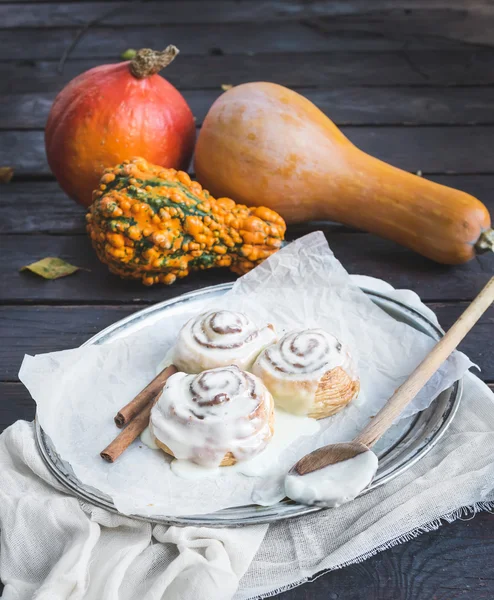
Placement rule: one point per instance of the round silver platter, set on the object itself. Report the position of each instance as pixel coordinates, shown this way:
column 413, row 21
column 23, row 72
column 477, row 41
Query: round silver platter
column 407, row 442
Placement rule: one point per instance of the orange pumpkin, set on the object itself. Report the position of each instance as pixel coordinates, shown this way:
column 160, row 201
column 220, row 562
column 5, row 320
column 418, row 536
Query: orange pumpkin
column 262, row 143
column 112, row 113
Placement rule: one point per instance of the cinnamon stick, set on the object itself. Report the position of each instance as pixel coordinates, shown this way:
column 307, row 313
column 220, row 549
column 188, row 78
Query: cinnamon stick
column 135, row 406
column 128, row 435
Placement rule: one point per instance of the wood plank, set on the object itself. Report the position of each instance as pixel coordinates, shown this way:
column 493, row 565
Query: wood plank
column 418, row 29
column 337, row 69
column 429, row 149
column 58, row 14
column 427, row 25
column 103, row 286
column 336, row 6
column 359, row 253
column 44, row 1
column 446, row 564
column 24, row 151
column 479, row 186
column 25, row 111
column 16, row 403
column 38, row 329
column 345, row 106
column 232, row 38
column 42, row 207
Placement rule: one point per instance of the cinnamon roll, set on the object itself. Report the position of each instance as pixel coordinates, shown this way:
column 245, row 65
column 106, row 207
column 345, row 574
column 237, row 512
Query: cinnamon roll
column 218, row 339
column 309, row 372
column 216, row 418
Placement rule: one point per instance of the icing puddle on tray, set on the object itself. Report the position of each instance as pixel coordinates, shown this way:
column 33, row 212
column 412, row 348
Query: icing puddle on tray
column 288, row 428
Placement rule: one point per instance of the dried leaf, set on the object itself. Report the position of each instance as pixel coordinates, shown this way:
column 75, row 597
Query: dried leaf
column 128, row 54
column 6, row 174
column 226, row 86
column 51, row 268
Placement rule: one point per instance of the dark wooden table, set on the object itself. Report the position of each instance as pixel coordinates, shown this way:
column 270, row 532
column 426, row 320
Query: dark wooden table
column 409, row 81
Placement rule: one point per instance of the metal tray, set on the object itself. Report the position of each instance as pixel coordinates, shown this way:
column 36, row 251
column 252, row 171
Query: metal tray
column 403, row 446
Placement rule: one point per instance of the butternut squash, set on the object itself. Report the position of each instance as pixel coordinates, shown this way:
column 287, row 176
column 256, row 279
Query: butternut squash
column 262, row 143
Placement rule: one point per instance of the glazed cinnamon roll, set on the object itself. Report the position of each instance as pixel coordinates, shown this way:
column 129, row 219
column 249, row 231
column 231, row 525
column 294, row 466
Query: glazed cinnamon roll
column 216, row 418
column 308, row 372
column 218, row 339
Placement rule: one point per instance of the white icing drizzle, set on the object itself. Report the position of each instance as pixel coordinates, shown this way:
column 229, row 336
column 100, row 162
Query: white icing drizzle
column 335, row 484
column 218, row 339
column 202, row 417
column 301, row 356
column 147, row 438
column 287, row 429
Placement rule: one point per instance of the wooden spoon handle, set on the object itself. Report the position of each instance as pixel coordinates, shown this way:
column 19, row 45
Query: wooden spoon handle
column 431, row 363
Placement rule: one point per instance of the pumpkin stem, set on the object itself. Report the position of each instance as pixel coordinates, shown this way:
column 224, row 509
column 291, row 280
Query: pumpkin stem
column 147, row 62
column 485, row 241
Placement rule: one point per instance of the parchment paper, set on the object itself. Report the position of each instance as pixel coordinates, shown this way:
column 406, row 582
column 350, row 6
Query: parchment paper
column 78, row 391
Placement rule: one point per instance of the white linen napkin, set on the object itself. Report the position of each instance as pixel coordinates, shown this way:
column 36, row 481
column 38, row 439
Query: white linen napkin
column 56, row 547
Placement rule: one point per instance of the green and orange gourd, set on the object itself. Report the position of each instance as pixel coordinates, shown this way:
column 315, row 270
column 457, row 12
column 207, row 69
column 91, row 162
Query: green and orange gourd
column 156, row 225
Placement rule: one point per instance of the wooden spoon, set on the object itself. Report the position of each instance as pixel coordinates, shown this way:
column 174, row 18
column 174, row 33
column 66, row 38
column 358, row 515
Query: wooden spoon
column 366, row 466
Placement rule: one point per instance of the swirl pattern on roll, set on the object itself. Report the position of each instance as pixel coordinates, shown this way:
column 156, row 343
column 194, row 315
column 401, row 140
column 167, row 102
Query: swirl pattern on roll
column 305, row 353
column 217, row 414
column 223, row 330
column 308, row 372
column 220, row 338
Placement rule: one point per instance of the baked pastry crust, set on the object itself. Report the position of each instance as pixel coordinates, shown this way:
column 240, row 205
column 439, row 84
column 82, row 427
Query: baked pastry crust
column 309, row 372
